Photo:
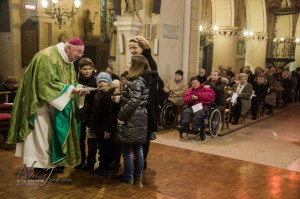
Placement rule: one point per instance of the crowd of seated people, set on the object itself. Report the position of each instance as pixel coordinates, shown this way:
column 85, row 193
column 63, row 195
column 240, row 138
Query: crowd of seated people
column 256, row 91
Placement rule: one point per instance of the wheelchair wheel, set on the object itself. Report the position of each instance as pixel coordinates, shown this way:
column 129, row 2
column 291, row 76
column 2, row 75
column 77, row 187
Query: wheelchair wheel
column 168, row 115
column 214, row 122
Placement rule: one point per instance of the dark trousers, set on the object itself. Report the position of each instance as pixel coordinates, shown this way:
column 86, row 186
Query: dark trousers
column 82, row 142
column 146, row 147
column 270, row 107
column 188, row 116
column 92, row 151
column 237, row 109
column 254, row 106
column 105, row 151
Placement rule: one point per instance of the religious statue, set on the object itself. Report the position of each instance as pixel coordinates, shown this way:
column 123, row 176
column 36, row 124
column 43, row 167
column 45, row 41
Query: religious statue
column 130, row 6
column 63, row 37
column 88, row 26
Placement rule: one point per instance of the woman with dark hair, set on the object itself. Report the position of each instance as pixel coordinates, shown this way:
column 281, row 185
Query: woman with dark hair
column 138, row 45
column 176, row 88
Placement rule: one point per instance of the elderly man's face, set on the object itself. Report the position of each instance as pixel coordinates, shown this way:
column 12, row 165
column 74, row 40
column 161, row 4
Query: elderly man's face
column 74, row 52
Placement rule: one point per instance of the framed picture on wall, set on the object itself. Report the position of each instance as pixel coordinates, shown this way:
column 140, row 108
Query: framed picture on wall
column 4, row 16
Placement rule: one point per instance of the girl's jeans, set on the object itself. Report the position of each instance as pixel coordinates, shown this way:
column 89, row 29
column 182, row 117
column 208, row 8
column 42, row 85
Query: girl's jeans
column 132, row 171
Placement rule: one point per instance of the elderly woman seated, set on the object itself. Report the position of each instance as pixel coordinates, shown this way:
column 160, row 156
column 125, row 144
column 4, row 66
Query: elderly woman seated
column 176, row 88
column 195, row 95
column 287, row 84
column 242, row 103
column 11, row 85
column 260, row 92
column 202, row 77
column 218, row 83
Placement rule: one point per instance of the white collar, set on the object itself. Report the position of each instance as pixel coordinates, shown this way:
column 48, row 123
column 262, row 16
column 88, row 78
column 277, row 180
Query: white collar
column 240, row 87
column 61, row 49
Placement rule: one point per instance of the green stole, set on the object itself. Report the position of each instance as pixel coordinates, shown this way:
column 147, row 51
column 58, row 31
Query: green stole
column 47, row 77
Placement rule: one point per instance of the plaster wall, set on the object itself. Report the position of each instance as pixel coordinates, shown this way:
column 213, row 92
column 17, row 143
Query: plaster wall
column 256, row 54
column 224, row 52
column 255, row 16
column 283, row 26
column 296, row 63
column 222, row 14
column 10, row 52
column 170, row 50
column 10, row 59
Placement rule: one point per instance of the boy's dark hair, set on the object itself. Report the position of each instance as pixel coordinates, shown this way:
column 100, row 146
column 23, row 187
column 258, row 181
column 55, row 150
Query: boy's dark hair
column 125, row 74
column 180, row 72
column 86, row 62
column 298, row 69
column 261, row 75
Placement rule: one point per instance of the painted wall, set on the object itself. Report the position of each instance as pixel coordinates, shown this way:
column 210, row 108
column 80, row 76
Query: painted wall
column 10, row 52
column 10, row 59
column 170, row 50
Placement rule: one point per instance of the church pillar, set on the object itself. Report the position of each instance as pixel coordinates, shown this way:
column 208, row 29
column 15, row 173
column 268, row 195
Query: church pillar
column 256, row 51
column 128, row 25
column 296, row 63
column 224, row 50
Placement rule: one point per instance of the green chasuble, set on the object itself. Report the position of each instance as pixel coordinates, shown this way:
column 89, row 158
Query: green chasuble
column 47, row 77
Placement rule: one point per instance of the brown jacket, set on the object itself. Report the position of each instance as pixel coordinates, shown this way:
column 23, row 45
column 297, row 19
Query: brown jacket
column 178, row 89
column 275, row 87
column 245, row 96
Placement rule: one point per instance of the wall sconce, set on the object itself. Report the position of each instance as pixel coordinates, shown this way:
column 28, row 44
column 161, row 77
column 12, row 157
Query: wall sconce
column 206, row 34
column 248, row 33
column 58, row 12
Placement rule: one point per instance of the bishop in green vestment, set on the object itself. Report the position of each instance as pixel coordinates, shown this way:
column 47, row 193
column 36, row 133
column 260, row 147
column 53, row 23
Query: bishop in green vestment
column 45, row 120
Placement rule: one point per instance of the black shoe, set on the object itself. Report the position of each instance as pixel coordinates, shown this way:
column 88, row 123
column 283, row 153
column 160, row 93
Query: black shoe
column 235, row 123
column 183, row 128
column 103, row 173
column 122, row 179
column 202, row 134
column 114, row 165
column 88, row 168
column 59, row 169
column 79, row 166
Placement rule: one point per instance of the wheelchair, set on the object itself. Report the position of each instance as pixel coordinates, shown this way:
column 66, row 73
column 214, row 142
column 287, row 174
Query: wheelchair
column 168, row 115
column 210, row 123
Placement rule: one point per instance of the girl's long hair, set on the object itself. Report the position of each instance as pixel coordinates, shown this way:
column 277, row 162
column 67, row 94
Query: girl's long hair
column 139, row 64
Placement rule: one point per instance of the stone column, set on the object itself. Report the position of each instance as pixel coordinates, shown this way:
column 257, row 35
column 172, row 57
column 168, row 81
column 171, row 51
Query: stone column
column 224, row 52
column 256, row 51
column 127, row 25
column 296, row 63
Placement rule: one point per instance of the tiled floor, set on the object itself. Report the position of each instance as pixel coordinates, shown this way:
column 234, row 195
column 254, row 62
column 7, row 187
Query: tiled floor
column 272, row 141
column 254, row 162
